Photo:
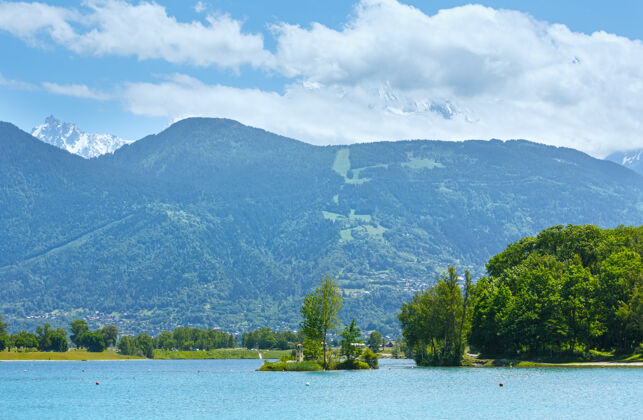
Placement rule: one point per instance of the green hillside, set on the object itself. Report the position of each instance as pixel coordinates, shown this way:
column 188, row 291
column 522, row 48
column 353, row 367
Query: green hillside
column 213, row 223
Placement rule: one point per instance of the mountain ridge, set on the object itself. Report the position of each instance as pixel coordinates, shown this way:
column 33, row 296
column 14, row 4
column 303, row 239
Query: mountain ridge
column 211, row 222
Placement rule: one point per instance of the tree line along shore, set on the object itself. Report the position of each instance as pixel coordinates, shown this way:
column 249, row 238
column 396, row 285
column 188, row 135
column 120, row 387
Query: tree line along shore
column 569, row 294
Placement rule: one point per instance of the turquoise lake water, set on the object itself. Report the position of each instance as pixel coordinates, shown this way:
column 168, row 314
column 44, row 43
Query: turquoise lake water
column 221, row 389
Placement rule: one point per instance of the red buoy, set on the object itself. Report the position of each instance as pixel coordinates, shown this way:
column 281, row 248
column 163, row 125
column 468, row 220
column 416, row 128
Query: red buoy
column 501, row 384
column 97, row 383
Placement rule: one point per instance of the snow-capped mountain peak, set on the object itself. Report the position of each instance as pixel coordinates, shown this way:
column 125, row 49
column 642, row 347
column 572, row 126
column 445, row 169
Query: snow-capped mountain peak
column 69, row 137
column 632, row 159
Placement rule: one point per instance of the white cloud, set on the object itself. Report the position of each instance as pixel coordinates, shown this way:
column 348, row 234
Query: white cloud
column 31, row 20
column 16, row 84
column 393, row 72
column 144, row 30
column 199, row 7
column 77, row 91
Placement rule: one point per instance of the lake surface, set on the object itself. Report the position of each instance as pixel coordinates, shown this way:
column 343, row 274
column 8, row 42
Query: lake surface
column 232, row 389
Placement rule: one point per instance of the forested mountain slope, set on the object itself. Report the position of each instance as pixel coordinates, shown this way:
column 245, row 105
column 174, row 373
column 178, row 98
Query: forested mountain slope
column 211, row 222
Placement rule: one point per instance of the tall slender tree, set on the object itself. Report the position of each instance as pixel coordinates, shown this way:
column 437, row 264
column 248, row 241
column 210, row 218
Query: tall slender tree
column 351, row 336
column 319, row 311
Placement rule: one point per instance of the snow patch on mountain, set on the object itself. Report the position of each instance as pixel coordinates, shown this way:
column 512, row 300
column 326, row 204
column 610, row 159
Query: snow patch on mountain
column 632, row 159
column 69, row 137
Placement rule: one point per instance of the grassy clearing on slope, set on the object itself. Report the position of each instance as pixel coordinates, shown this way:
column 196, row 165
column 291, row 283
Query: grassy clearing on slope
column 80, row 355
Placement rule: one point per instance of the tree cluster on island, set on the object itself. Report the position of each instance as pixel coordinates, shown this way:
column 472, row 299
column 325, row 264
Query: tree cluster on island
column 565, row 293
column 319, row 313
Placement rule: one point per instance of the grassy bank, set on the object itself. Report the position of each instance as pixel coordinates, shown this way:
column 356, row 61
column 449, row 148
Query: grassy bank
column 84, row 355
column 79, row 355
column 221, row 354
column 600, row 360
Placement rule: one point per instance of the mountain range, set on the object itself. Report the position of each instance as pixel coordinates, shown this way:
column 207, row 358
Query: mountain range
column 70, row 138
column 214, row 223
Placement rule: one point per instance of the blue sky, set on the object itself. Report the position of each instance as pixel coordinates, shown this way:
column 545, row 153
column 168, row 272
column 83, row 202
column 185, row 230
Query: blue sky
column 334, row 71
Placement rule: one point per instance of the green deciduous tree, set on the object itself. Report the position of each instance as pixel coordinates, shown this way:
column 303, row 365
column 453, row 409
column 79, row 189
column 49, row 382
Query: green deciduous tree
column 127, row 345
column 265, row 338
column 165, row 340
column 51, row 340
column 78, row 328
column 145, row 344
column 351, row 337
column 370, row 358
column 110, row 335
column 23, row 340
column 433, row 322
column 141, row 345
column 4, row 338
column 319, row 311
column 375, row 340
column 93, row 341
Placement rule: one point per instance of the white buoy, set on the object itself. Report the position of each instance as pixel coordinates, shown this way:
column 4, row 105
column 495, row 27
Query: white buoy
column 307, row 383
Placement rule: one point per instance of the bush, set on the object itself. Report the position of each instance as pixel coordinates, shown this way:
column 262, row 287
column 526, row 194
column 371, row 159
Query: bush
column 290, row 367
column 287, row 357
column 370, row 359
column 351, row 365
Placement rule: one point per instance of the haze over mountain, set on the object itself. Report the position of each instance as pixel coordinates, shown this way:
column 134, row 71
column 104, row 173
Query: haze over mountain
column 632, row 159
column 212, row 222
column 69, row 137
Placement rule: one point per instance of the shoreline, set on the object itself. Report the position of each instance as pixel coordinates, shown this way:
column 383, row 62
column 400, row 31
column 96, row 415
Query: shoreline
column 519, row 364
column 72, row 360
column 112, row 356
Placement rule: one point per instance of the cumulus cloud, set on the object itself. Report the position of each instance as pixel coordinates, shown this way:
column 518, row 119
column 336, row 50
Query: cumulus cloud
column 143, row 30
column 503, row 73
column 77, row 91
column 393, row 72
column 31, row 20
column 390, row 72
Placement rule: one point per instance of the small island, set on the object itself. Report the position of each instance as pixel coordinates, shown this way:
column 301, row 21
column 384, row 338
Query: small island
column 319, row 312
